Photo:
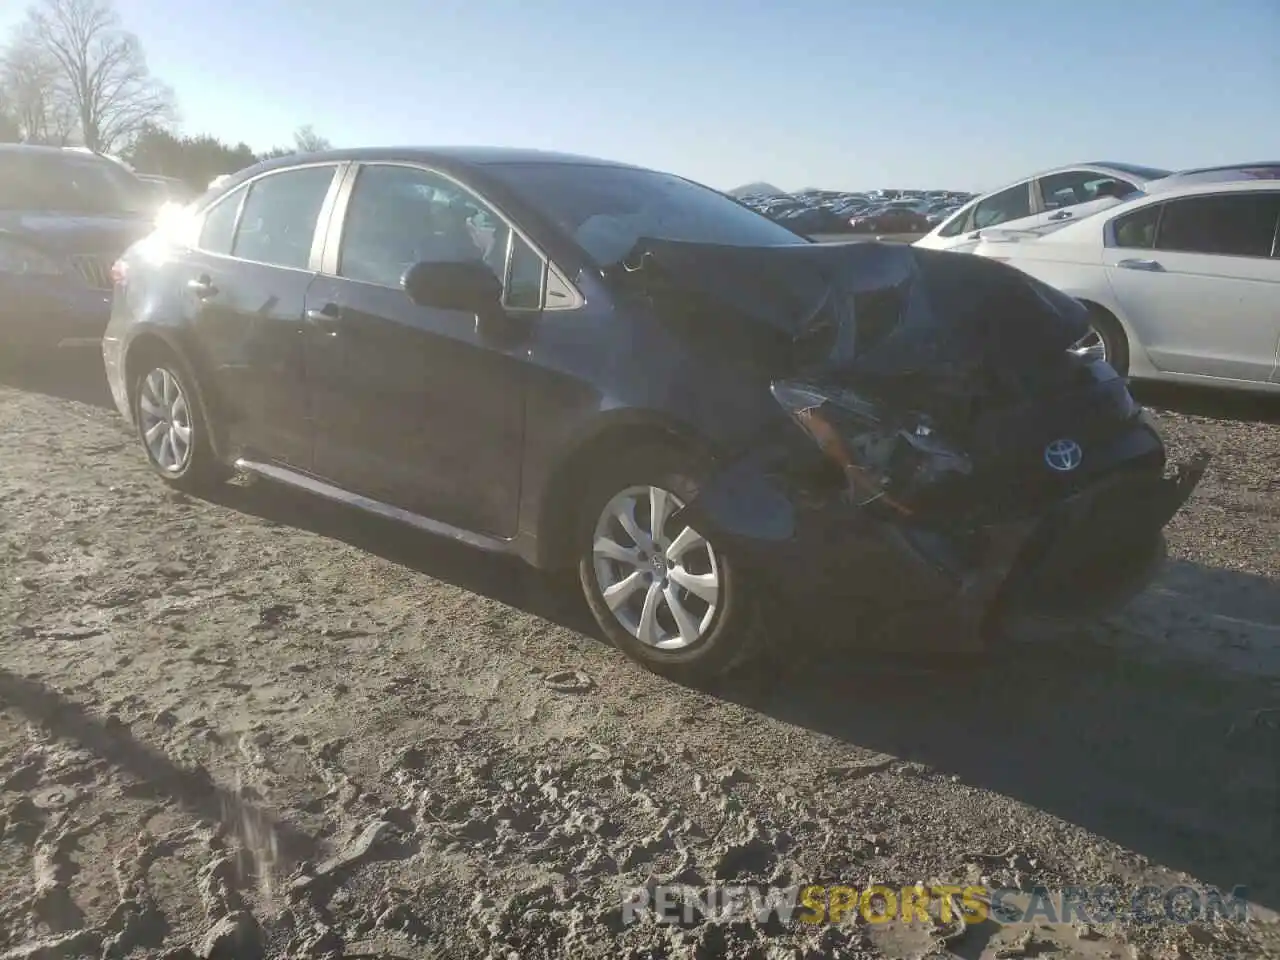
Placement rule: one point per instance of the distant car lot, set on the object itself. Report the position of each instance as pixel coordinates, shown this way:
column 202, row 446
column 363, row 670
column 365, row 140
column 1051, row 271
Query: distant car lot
column 821, row 212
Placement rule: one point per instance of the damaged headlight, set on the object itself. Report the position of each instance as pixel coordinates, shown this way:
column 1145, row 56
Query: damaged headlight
column 884, row 458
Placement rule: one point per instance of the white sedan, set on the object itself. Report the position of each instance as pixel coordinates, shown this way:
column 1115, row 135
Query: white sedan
column 1182, row 284
column 1043, row 202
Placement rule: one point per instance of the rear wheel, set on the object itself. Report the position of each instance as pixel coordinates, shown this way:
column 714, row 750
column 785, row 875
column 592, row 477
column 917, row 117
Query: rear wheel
column 171, row 427
column 662, row 592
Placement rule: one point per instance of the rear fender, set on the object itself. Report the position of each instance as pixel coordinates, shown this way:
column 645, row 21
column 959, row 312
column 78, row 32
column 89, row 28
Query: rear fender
column 172, row 340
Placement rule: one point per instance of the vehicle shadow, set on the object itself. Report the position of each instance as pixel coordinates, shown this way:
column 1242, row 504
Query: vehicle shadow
column 1152, row 752
column 1204, row 402
column 498, row 576
column 1100, row 727
column 69, row 374
column 157, row 776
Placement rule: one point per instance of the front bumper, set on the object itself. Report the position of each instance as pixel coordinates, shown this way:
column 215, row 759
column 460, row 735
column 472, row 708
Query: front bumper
column 919, row 586
column 40, row 312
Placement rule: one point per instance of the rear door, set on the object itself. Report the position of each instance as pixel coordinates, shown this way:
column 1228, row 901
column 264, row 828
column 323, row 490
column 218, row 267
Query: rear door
column 1198, row 280
column 246, row 284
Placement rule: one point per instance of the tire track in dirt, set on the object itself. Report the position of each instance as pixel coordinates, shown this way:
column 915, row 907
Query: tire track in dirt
column 295, row 732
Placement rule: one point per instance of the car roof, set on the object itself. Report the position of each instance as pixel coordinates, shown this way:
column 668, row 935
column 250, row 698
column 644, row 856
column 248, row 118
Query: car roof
column 39, row 150
column 1101, row 167
column 1193, row 187
column 455, row 156
column 1261, row 171
column 1092, row 224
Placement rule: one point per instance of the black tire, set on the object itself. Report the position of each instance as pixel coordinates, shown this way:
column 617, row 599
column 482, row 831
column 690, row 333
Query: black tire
column 1113, row 338
column 736, row 632
column 200, row 469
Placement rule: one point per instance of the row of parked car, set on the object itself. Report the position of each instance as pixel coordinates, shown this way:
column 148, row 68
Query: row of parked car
column 876, row 211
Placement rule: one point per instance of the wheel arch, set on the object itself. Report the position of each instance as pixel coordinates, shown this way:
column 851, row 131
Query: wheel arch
column 154, row 342
column 568, row 480
column 1133, row 345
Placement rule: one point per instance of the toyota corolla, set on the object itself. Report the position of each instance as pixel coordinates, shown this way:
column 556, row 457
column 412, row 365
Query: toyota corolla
column 602, row 367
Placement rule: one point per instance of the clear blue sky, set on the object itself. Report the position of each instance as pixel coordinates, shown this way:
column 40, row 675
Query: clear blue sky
column 836, row 93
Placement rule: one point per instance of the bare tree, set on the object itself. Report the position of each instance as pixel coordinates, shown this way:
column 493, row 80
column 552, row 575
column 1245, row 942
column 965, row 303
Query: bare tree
column 36, row 103
column 306, row 140
column 101, row 70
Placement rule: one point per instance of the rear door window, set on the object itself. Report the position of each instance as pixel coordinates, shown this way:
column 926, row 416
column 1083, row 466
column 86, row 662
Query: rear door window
column 1011, row 204
column 217, row 233
column 1065, row 189
column 280, row 215
column 1225, row 225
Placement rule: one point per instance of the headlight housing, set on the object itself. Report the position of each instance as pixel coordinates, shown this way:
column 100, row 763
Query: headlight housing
column 890, row 460
column 23, row 260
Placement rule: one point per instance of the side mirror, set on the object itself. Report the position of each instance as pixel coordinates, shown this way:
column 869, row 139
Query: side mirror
column 454, row 285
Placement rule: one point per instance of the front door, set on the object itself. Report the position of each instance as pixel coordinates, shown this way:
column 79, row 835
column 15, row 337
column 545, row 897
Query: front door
column 1203, row 298
column 413, row 406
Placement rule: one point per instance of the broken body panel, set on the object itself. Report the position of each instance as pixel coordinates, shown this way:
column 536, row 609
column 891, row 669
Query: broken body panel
column 948, row 461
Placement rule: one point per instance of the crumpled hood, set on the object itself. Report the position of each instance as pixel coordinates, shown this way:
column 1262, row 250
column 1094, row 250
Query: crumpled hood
column 106, row 234
column 890, row 309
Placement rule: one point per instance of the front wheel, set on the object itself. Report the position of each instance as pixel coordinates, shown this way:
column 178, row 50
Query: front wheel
column 660, row 590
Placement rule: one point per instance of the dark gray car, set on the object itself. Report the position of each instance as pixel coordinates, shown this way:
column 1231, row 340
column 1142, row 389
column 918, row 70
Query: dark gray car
column 599, row 366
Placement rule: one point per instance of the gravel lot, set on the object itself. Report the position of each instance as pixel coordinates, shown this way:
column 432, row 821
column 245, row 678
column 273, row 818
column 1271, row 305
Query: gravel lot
column 274, row 719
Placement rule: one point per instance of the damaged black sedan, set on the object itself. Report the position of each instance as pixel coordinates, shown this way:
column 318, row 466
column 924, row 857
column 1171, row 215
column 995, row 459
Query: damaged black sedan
column 602, row 367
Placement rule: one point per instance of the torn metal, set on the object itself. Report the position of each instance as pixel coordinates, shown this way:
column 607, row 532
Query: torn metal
column 927, row 396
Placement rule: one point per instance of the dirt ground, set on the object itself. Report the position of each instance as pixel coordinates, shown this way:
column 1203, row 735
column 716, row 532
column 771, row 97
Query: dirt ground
column 268, row 725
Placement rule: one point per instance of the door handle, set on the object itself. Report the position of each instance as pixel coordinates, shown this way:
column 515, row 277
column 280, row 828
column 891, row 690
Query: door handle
column 1151, row 265
column 202, row 287
column 326, row 318
column 1061, row 215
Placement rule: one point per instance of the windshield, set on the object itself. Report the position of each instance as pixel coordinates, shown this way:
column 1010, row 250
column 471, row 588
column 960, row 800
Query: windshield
column 69, row 186
column 607, row 209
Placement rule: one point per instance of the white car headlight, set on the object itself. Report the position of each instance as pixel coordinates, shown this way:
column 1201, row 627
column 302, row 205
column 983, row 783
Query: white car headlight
column 18, row 258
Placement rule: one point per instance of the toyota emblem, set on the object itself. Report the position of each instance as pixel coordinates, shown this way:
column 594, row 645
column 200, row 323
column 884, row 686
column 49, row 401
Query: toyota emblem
column 1063, row 455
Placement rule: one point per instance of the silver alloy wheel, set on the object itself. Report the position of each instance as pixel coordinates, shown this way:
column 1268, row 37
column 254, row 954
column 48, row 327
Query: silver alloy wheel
column 663, row 590
column 1091, row 346
column 166, row 420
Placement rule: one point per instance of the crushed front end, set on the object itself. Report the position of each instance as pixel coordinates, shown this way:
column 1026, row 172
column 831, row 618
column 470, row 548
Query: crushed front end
column 944, row 459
